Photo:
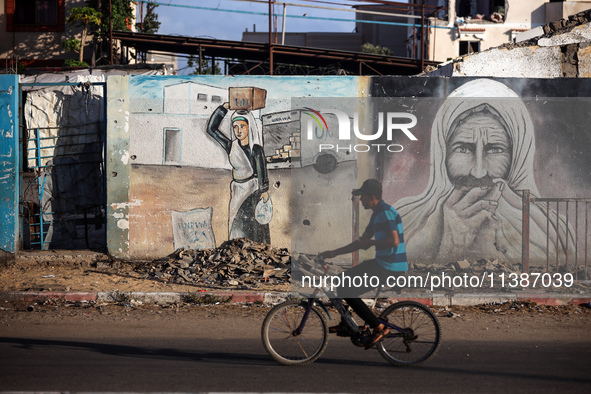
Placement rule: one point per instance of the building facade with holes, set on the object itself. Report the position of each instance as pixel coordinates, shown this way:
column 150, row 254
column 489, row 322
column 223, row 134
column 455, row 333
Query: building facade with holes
column 464, row 27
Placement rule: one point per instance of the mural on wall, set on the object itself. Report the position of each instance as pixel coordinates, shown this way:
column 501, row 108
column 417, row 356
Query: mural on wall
column 458, row 186
column 482, row 151
column 250, row 206
column 211, row 159
column 192, row 229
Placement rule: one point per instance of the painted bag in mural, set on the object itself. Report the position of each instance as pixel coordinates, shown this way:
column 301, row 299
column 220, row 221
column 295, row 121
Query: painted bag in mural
column 264, row 211
column 193, row 229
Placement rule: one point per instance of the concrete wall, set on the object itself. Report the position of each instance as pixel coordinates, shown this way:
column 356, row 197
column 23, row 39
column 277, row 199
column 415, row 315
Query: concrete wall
column 9, row 164
column 446, row 217
column 453, row 206
column 559, row 10
column 159, row 185
column 563, row 51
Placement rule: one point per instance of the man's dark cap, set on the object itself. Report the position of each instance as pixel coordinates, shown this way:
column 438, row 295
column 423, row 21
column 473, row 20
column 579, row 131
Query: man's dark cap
column 370, row 186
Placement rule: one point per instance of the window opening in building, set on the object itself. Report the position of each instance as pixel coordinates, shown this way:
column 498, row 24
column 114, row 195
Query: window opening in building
column 468, row 47
column 35, row 12
column 201, row 96
column 497, row 6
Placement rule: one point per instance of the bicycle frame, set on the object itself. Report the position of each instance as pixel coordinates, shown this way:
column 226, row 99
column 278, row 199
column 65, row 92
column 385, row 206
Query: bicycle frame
column 338, row 304
column 295, row 332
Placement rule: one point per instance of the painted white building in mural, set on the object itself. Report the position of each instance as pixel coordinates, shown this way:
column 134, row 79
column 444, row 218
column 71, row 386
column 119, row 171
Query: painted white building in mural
column 173, row 132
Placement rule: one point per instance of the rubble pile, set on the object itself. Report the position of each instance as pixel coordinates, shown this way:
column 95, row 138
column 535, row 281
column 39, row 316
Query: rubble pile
column 493, row 265
column 308, row 265
column 239, row 263
column 497, row 276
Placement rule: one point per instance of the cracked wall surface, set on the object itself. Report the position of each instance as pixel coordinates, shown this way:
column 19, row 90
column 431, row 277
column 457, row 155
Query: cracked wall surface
column 562, row 51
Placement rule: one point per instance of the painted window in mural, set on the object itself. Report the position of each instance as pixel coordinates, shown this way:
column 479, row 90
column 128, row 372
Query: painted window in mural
column 172, row 146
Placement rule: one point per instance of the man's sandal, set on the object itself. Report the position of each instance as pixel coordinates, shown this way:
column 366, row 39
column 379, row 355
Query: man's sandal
column 377, row 337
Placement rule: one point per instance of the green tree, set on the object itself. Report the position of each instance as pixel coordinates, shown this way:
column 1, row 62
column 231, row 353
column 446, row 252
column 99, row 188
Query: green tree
column 86, row 18
column 376, row 49
column 207, row 67
column 121, row 19
column 150, row 23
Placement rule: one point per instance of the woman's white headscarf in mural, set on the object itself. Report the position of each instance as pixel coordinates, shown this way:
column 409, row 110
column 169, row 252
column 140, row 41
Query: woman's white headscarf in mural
column 243, row 185
column 241, row 166
column 423, row 214
column 255, row 136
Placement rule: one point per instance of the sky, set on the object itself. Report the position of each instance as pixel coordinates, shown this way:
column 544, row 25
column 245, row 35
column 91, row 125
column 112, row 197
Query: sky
column 212, row 19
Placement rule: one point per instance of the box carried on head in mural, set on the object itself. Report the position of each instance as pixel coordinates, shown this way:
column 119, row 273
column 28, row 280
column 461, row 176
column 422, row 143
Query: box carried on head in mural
column 248, row 98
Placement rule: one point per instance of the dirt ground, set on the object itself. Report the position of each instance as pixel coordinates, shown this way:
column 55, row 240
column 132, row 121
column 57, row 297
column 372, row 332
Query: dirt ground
column 514, row 321
column 95, row 273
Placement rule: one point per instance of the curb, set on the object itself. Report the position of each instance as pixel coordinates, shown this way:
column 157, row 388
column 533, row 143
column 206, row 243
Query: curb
column 275, row 298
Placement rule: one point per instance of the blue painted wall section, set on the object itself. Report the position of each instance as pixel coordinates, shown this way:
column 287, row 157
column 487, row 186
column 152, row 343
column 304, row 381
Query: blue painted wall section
column 8, row 163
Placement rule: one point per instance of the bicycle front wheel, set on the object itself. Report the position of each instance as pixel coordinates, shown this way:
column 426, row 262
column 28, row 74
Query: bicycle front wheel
column 286, row 341
column 420, row 337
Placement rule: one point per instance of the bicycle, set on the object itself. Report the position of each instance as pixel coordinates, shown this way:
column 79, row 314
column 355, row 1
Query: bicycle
column 295, row 332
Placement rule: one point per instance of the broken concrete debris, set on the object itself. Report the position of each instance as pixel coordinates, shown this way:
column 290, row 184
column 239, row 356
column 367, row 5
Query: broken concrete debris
column 243, row 264
column 238, row 263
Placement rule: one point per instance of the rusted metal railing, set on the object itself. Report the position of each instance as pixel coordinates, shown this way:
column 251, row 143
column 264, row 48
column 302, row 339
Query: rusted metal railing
column 566, row 239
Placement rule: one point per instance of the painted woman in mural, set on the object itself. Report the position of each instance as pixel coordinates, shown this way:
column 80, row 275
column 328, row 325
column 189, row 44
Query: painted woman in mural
column 482, row 156
column 250, row 183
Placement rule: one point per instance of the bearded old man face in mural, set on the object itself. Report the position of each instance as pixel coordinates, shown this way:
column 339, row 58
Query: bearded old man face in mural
column 482, row 152
column 478, row 151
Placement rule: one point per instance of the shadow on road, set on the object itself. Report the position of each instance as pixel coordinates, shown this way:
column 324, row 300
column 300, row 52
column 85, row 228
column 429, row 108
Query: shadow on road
column 461, row 369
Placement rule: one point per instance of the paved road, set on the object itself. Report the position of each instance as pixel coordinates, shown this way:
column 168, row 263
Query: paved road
column 239, row 365
column 188, row 354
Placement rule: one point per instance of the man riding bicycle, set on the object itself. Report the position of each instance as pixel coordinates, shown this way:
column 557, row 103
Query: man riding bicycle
column 385, row 227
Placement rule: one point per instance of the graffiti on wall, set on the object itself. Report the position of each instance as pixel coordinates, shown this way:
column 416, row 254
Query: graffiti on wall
column 482, row 151
column 192, row 229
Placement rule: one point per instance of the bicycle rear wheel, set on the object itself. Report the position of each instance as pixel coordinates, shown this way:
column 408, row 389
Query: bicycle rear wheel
column 284, row 343
column 420, row 338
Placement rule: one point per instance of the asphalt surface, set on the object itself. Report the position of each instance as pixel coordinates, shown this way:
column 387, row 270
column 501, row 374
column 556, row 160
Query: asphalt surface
column 218, row 349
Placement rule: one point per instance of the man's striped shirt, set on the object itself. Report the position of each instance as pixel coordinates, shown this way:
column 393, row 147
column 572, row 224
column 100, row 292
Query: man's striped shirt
column 384, row 220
